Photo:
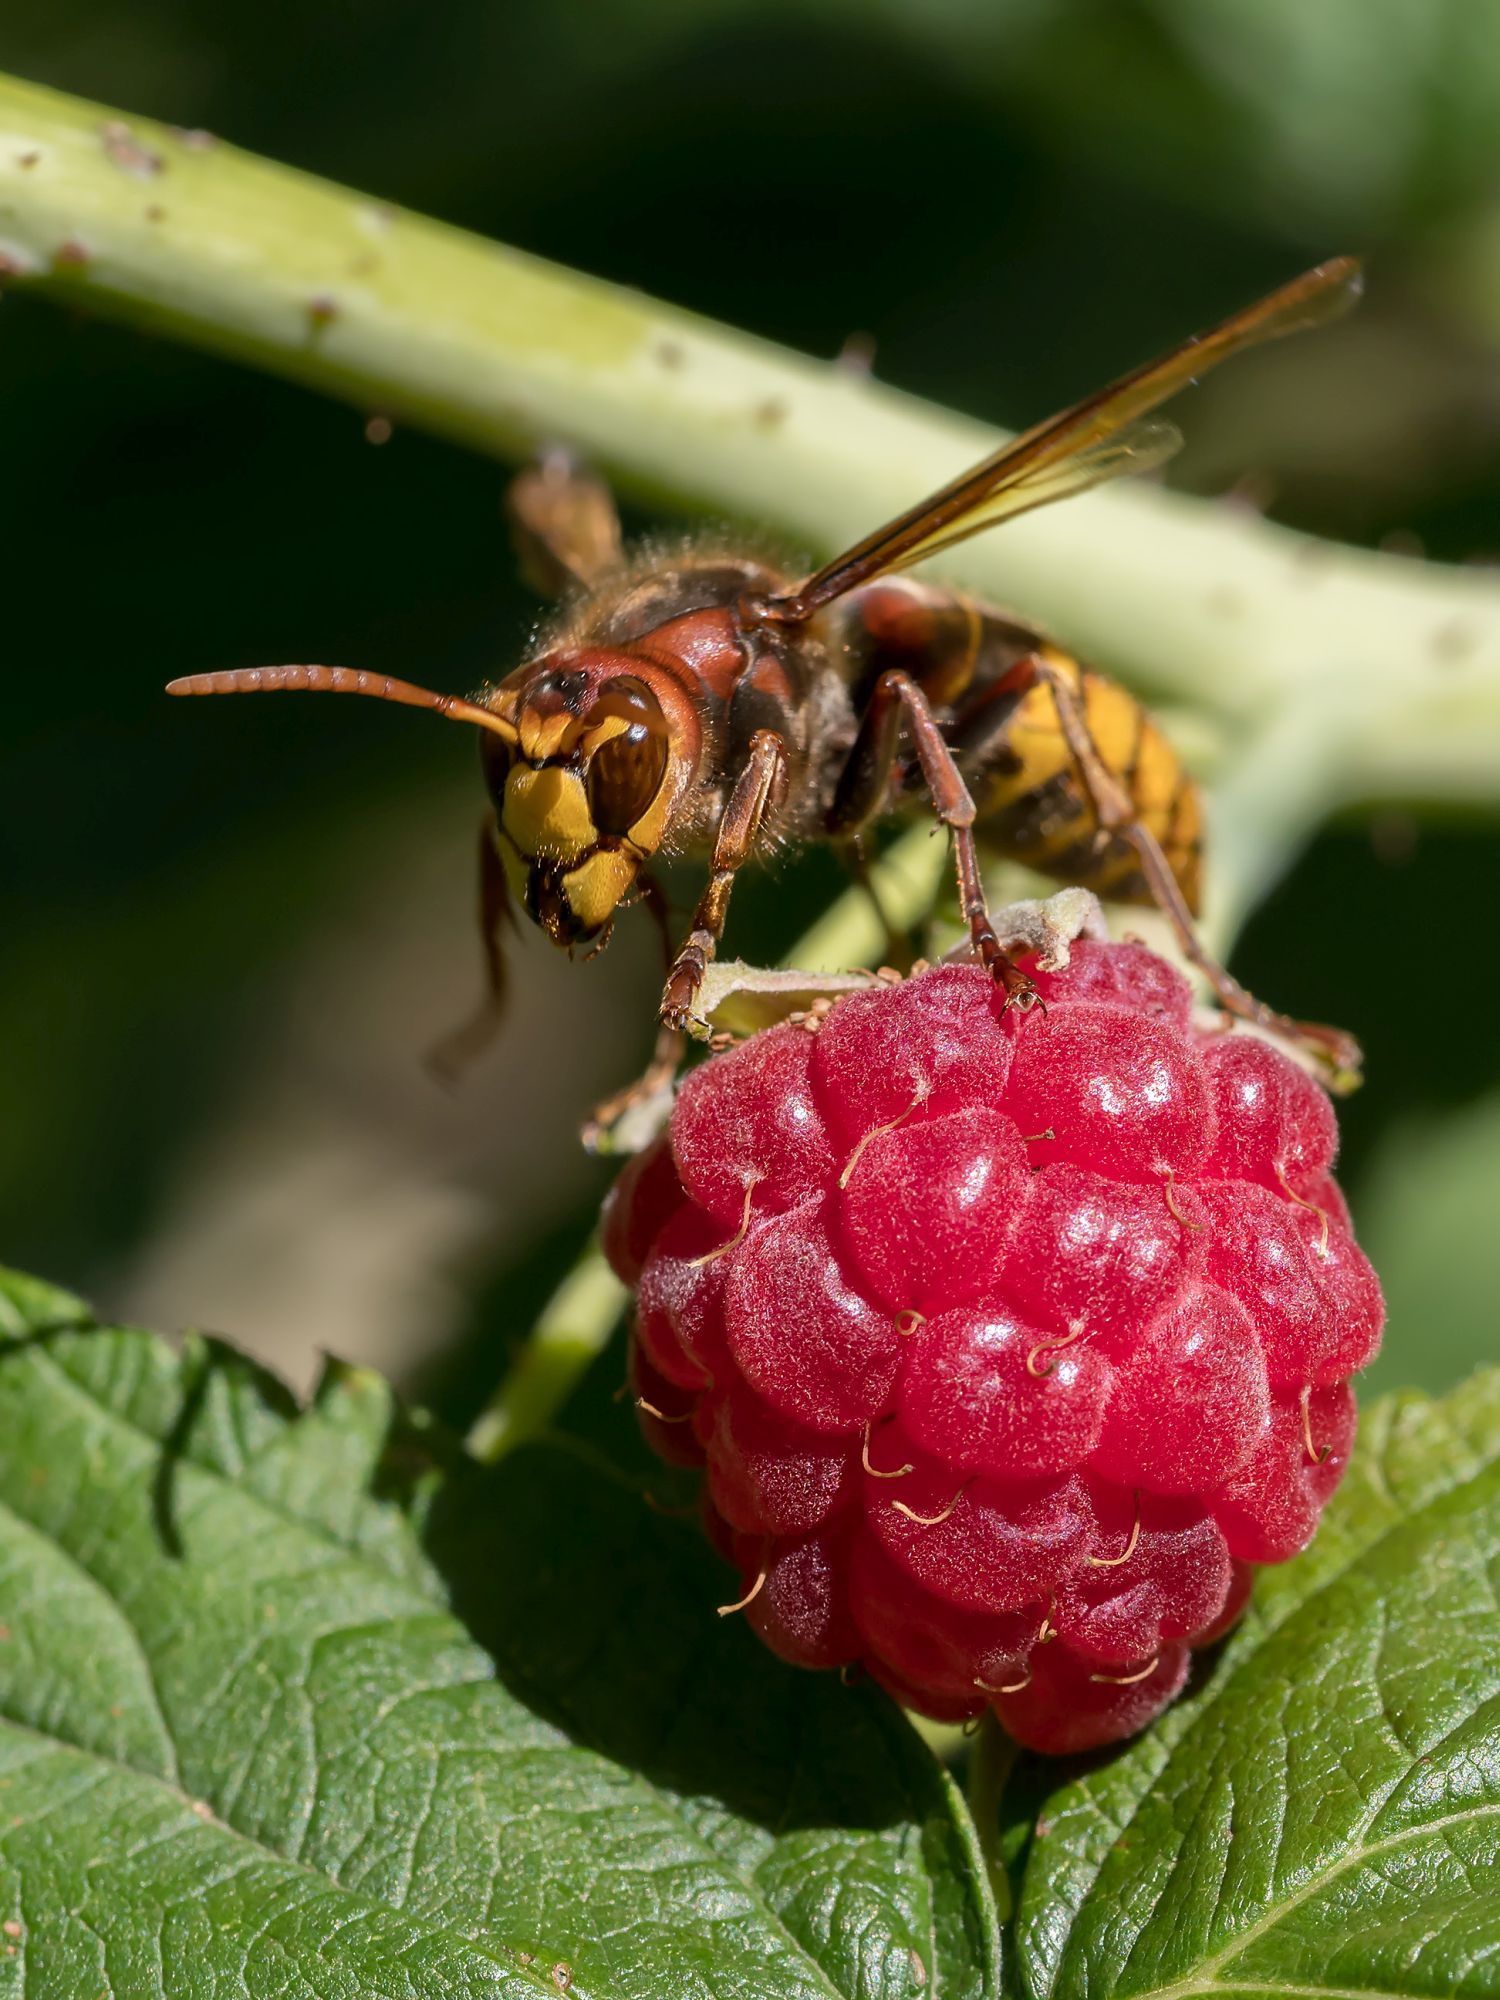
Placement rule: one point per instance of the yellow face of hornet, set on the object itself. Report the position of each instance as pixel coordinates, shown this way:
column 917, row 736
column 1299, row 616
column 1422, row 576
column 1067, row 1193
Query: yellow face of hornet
column 581, row 798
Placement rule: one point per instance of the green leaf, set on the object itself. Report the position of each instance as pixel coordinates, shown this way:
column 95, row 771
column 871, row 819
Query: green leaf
column 290, row 1707
column 1323, row 1814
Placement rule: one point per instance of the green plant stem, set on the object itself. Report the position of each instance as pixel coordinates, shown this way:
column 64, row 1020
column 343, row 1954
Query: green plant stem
column 907, row 879
column 991, row 1756
column 574, row 1327
column 1395, row 663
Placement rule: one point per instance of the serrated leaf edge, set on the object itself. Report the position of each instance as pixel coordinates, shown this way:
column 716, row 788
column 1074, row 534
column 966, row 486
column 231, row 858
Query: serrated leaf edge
column 35, row 1343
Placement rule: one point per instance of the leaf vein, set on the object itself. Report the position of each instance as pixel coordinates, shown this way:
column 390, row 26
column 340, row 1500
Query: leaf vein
column 1356, row 1856
column 1270, row 1620
column 125, row 1622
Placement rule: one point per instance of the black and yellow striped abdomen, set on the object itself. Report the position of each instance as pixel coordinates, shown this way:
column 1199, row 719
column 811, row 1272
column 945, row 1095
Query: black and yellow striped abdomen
column 1034, row 806
column 975, row 664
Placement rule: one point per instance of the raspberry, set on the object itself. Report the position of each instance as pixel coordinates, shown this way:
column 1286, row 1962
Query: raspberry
column 1007, row 1343
column 767, row 1475
column 928, row 1210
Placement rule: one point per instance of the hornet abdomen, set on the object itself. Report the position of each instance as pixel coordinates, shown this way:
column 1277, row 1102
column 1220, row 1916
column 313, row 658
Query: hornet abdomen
column 975, row 664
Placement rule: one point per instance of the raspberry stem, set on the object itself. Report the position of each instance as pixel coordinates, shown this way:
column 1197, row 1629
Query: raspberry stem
column 992, row 1756
column 574, row 1327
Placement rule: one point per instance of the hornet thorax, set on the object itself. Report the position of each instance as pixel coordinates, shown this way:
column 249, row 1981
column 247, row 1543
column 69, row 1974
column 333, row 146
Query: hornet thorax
column 630, row 724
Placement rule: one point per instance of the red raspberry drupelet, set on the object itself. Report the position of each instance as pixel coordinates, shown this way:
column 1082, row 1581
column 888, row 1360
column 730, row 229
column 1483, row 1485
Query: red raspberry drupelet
column 1007, row 1343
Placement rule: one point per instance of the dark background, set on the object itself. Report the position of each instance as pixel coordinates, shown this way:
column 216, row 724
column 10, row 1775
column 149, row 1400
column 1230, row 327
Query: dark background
column 228, row 932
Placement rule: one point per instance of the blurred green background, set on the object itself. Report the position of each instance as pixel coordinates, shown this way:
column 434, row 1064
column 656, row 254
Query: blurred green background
column 230, row 931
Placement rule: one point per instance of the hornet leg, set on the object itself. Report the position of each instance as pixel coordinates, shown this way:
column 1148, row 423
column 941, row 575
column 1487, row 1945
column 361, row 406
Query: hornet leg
column 1337, row 1051
column 653, row 1083
column 564, row 524
column 758, row 788
column 864, row 788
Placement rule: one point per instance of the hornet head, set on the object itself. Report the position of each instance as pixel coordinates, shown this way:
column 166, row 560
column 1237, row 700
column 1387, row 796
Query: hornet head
column 580, row 760
column 583, row 786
